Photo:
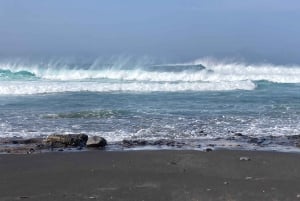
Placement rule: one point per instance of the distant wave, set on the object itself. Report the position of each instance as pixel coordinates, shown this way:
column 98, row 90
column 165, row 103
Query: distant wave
column 233, row 71
column 199, row 75
column 8, row 75
column 196, row 71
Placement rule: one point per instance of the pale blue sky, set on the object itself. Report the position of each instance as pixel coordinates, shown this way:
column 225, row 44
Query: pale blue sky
column 256, row 30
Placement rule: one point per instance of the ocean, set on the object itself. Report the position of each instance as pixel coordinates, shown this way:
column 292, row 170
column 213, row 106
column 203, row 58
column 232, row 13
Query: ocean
column 203, row 103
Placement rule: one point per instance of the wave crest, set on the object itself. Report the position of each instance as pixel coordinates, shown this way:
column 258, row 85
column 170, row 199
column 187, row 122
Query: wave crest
column 203, row 70
column 199, row 75
column 8, row 75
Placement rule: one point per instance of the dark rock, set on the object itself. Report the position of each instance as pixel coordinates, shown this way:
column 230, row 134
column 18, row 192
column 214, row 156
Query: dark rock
column 172, row 163
column 40, row 146
column 67, row 140
column 161, row 142
column 96, row 141
column 31, row 151
column 24, row 141
column 253, row 140
column 257, row 140
column 140, row 142
column 32, row 141
column 239, row 134
column 131, row 143
column 293, row 137
column 230, row 138
column 171, row 144
column 208, row 150
column 24, row 197
column 127, row 143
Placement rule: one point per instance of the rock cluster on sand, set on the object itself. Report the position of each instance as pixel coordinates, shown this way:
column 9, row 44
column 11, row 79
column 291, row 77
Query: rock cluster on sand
column 161, row 142
column 54, row 141
column 76, row 140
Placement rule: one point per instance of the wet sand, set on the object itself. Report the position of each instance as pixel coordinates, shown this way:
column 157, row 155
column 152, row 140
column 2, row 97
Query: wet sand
column 150, row 175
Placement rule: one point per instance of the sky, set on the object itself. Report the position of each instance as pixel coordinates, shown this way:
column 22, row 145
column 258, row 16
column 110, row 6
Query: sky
column 178, row 30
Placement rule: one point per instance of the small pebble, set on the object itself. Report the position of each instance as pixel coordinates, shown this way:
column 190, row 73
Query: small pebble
column 248, row 178
column 173, row 163
column 298, row 196
column 92, row 197
column 30, row 151
column 244, row 158
column 226, row 182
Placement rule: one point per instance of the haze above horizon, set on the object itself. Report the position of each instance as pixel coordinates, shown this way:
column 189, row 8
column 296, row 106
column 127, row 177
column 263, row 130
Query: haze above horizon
column 253, row 30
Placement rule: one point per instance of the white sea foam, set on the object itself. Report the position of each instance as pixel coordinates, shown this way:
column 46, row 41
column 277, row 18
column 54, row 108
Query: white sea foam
column 233, row 71
column 38, row 87
column 214, row 72
column 120, row 76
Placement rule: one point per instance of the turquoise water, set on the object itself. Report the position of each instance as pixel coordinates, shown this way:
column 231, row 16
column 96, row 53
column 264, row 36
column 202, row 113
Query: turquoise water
column 200, row 100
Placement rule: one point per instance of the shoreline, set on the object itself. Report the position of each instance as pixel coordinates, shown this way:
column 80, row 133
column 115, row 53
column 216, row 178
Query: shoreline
column 239, row 142
column 150, row 175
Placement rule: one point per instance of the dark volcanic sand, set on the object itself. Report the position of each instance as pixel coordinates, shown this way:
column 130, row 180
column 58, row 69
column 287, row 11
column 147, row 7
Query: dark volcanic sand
column 150, row 175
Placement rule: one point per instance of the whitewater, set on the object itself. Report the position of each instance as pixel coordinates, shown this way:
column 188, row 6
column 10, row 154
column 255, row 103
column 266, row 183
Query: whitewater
column 206, row 99
column 18, row 78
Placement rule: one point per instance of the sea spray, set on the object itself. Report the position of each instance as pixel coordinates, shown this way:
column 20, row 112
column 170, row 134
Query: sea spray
column 197, row 71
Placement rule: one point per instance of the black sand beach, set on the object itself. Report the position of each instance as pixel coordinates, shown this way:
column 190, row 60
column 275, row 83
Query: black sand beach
column 150, row 175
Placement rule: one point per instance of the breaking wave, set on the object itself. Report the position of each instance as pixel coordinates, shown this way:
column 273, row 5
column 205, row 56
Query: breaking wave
column 203, row 70
column 199, row 75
